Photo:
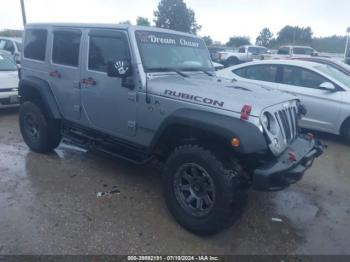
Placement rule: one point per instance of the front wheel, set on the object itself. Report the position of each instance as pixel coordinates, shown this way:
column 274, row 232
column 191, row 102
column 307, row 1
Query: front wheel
column 345, row 131
column 202, row 194
column 40, row 133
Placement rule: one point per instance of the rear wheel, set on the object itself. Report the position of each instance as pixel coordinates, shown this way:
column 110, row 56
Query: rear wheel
column 202, row 194
column 231, row 61
column 40, row 133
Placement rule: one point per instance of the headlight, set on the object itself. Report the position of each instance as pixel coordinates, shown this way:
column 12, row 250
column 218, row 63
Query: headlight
column 270, row 123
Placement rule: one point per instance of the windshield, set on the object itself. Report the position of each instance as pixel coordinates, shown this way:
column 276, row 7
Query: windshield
column 336, row 74
column 162, row 51
column 6, row 64
column 19, row 46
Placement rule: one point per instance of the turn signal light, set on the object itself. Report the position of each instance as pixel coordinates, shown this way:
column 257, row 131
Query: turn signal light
column 235, row 142
column 292, row 156
column 246, row 109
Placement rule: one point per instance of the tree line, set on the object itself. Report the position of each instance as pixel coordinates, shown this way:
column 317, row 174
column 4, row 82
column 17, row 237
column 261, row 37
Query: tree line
column 176, row 15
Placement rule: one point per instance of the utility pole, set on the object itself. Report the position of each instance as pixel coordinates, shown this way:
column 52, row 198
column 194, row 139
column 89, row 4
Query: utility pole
column 347, row 48
column 23, row 13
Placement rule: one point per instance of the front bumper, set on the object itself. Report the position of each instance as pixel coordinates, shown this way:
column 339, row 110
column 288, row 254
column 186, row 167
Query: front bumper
column 288, row 168
column 9, row 99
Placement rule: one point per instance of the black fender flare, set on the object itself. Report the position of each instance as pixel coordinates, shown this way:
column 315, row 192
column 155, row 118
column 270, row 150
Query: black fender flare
column 252, row 140
column 44, row 90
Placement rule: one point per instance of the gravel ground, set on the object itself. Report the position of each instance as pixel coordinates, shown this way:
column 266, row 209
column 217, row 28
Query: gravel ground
column 49, row 205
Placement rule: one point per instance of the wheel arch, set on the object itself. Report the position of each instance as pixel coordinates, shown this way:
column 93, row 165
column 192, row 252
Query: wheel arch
column 36, row 89
column 207, row 128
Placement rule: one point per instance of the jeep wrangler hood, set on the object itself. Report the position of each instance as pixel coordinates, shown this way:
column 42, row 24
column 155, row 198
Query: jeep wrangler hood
column 216, row 92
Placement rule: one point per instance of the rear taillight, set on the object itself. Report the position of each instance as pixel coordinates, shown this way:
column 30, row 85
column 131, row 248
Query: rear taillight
column 246, row 109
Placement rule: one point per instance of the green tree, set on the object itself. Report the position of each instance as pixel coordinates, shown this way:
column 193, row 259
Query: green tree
column 264, row 37
column 236, row 41
column 208, row 41
column 295, row 35
column 11, row 33
column 143, row 21
column 126, row 22
column 174, row 14
column 330, row 44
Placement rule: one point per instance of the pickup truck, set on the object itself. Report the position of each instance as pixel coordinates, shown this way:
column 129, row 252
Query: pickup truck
column 245, row 53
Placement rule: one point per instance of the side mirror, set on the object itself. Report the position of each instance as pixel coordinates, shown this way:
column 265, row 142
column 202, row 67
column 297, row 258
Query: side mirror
column 120, row 68
column 328, row 86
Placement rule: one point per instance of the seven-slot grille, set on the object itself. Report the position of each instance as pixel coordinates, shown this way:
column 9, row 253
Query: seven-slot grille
column 287, row 119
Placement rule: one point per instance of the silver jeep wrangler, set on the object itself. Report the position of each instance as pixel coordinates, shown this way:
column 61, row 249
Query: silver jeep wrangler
column 142, row 93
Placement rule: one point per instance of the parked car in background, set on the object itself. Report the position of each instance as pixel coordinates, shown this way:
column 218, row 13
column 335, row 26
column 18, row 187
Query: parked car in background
column 8, row 82
column 12, row 45
column 214, row 52
column 291, row 50
column 245, row 53
column 324, row 91
column 336, row 64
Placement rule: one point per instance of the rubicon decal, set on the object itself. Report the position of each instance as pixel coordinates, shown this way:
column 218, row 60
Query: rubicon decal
column 199, row 99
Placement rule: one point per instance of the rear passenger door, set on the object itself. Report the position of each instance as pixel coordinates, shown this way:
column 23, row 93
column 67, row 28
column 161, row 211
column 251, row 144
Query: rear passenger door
column 108, row 106
column 65, row 70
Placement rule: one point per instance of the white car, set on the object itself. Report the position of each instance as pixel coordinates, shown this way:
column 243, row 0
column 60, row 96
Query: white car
column 323, row 90
column 12, row 45
column 8, row 82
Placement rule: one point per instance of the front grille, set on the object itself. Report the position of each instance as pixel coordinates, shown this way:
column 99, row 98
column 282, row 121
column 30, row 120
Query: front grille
column 287, row 119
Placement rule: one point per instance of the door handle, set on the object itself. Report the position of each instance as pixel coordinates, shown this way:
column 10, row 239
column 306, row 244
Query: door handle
column 88, row 81
column 55, row 73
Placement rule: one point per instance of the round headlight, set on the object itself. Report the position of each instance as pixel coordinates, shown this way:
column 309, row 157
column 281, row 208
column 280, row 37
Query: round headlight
column 269, row 122
column 265, row 121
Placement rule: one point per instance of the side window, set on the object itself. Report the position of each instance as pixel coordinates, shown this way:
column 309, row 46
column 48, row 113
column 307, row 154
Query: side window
column 240, row 72
column 301, row 77
column 262, row 73
column 35, row 44
column 9, row 47
column 283, row 51
column 241, row 50
column 66, row 46
column 103, row 49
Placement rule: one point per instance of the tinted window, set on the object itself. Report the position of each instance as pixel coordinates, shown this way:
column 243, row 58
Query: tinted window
column 257, row 50
column 2, row 44
column 297, row 76
column 283, row 51
column 35, row 44
column 302, row 51
column 66, row 46
column 262, row 73
column 104, row 49
column 241, row 50
column 240, row 72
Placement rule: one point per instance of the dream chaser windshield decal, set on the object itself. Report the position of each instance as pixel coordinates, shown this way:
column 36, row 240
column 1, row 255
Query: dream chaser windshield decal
column 199, row 99
column 157, row 38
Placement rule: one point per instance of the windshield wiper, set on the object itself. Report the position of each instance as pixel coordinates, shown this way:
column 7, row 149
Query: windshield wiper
column 167, row 69
column 200, row 70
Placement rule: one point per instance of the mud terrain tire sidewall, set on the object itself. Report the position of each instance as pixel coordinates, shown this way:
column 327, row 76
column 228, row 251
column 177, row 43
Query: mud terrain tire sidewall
column 227, row 204
column 48, row 130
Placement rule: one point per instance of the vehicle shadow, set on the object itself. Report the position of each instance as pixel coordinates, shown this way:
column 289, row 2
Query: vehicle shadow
column 9, row 111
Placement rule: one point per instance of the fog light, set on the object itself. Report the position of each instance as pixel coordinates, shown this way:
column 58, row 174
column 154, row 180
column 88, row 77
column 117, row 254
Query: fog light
column 235, row 142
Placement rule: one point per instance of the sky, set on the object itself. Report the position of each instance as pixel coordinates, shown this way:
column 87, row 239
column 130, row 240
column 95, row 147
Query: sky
column 219, row 18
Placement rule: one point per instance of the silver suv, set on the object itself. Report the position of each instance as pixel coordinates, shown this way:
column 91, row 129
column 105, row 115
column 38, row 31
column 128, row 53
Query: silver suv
column 141, row 93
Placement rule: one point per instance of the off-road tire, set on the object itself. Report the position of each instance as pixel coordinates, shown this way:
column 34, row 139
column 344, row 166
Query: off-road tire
column 229, row 188
column 40, row 132
column 345, row 131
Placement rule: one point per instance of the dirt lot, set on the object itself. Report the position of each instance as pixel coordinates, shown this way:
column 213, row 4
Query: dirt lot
column 48, row 205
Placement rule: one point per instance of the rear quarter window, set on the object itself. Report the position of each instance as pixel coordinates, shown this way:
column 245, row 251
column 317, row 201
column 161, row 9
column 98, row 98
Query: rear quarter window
column 35, row 44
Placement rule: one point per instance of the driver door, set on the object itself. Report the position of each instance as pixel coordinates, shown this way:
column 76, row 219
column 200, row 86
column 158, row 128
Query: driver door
column 107, row 105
